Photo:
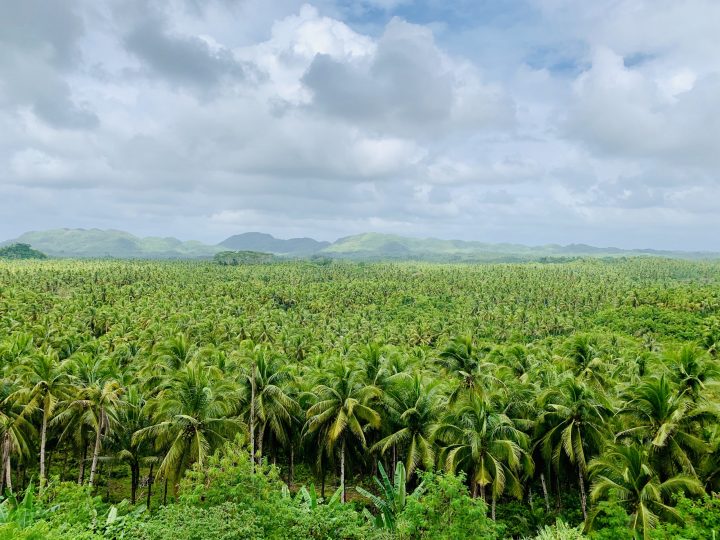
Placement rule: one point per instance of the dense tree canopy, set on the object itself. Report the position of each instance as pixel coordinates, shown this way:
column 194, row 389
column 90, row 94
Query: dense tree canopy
column 585, row 391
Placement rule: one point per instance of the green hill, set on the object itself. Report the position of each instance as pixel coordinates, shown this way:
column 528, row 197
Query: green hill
column 92, row 243
column 376, row 246
column 266, row 243
column 20, row 251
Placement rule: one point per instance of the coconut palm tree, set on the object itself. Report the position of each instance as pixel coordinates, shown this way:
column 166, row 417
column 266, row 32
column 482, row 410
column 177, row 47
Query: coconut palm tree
column 481, row 439
column 415, row 409
column 666, row 419
column 97, row 403
column 193, row 416
column 626, row 474
column 572, row 425
column 45, row 385
column 342, row 412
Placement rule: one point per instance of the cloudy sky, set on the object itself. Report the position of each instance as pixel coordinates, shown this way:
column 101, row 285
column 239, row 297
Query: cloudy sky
column 532, row 121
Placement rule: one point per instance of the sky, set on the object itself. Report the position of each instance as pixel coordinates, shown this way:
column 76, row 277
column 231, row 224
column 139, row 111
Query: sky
column 528, row 121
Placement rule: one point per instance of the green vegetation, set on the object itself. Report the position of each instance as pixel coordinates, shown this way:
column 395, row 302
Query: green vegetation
column 150, row 400
column 234, row 258
column 20, row 251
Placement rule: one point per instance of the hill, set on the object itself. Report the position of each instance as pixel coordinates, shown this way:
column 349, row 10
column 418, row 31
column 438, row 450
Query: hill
column 93, row 243
column 376, row 246
column 20, row 251
column 267, row 243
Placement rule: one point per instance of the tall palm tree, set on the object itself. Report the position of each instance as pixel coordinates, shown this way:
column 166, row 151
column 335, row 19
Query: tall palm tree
column 273, row 407
column 135, row 452
column 16, row 430
column 667, row 420
column 626, row 473
column 572, row 425
column 415, row 409
column 690, row 370
column 45, row 385
column 194, row 414
column 97, row 403
column 481, row 439
column 342, row 412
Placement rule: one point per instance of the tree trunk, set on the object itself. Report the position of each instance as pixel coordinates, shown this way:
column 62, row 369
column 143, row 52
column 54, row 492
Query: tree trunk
column 260, row 438
column 545, row 492
column 342, row 470
column 492, row 511
column 252, row 418
column 474, row 489
column 81, row 472
column 134, row 476
column 482, row 493
column 165, row 493
column 43, row 440
column 150, row 483
column 96, row 451
column 322, row 481
column 292, row 464
column 8, row 467
column 583, row 498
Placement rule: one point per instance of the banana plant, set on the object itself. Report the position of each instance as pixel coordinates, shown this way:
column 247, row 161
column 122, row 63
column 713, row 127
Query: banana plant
column 391, row 499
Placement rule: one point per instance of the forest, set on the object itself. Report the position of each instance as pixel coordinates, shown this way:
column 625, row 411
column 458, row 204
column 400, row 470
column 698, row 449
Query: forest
column 335, row 399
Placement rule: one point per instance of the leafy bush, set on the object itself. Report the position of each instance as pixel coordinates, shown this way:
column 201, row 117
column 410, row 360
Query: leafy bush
column 445, row 510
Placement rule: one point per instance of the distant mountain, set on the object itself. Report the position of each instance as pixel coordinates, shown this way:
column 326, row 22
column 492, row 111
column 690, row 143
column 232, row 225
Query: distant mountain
column 93, row 243
column 267, row 243
column 378, row 246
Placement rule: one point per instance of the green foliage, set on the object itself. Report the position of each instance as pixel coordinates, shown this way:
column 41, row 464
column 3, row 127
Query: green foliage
column 392, row 496
column 20, row 251
column 444, row 510
column 234, row 258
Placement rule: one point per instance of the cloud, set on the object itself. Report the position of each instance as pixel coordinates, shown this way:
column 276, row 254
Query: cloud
column 406, row 85
column 537, row 121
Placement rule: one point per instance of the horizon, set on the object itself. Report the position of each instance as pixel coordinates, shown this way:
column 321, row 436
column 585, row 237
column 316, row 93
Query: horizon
column 340, row 238
column 530, row 122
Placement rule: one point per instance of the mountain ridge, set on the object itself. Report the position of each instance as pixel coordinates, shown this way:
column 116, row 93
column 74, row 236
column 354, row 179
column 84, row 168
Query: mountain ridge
column 114, row 243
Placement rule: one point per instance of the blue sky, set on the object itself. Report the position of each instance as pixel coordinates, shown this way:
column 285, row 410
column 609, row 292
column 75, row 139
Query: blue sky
column 534, row 121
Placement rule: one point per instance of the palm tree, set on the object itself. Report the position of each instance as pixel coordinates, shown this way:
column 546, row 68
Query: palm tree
column 16, row 431
column 193, row 416
column 667, row 420
column 483, row 440
column 573, row 425
column 273, row 407
column 128, row 449
column 415, row 409
column 46, row 384
column 625, row 473
column 690, row 370
column 97, row 403
column 342, row 412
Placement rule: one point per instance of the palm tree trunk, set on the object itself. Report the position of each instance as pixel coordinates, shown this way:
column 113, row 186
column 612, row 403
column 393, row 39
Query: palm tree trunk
column 83, row 459
column 482, row 493
column 150, row 483
column 545, row 492
column 583, row 498
column 342, row 469
column 292, row 464
column 96, row 451
column 165, row 493
column 43, row 440
column 492, row 508
column 7, row 467
column 134, row 476
column 261, row 436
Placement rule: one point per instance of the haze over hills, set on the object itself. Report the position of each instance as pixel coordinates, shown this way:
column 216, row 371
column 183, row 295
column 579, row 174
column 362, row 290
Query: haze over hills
column 97, row 243
column 256, row 241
